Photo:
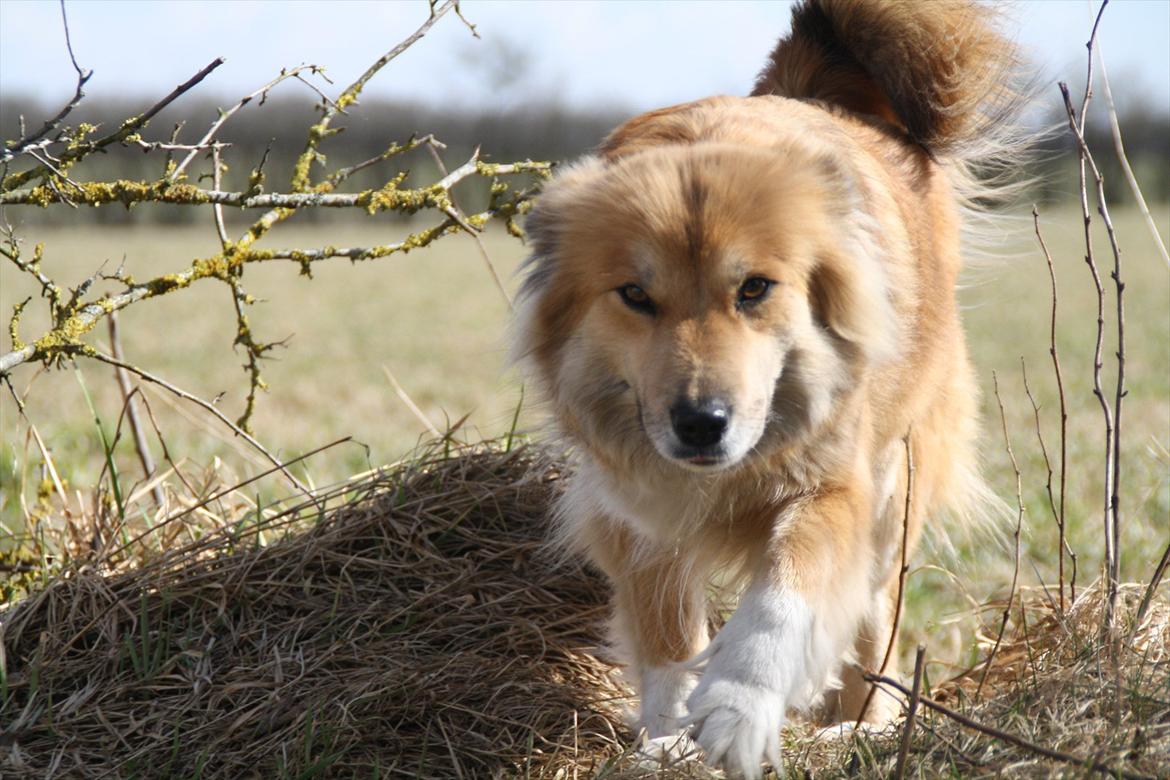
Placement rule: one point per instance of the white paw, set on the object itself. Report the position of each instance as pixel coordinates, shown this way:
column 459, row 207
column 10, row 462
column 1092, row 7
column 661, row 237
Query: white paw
column 846, row 729
column 737, row 724
column 664, row 694
column 666, row 752
column 754, row 669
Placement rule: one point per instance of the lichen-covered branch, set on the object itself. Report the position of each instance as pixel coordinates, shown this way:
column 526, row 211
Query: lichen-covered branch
column 78, row 147
column 48, row 180
column 390, row 197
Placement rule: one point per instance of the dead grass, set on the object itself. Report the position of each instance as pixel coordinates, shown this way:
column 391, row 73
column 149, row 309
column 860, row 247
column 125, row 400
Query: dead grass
column 421, row 628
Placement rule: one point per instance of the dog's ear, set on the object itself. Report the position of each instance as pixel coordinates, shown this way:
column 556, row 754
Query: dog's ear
column 663, row 127
column 849, row 296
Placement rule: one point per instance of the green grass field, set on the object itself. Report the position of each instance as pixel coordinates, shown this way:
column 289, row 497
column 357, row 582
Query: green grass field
column 434, row 319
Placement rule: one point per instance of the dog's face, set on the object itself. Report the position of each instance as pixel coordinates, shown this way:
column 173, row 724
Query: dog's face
column 700, row 301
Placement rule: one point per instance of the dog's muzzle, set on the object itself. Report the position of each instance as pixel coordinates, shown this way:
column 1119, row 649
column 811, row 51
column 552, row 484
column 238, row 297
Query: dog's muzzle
column 699, row 427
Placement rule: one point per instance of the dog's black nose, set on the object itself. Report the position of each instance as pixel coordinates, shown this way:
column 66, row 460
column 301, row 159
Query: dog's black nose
column 699, row 424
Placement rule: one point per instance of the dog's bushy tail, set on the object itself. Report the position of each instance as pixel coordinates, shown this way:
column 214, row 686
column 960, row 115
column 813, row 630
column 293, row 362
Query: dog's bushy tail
column 938, row 69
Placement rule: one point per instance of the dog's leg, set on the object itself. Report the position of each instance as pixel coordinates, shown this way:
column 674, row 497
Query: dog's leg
column 792, row 626
column 659, row 621
column 869, row 650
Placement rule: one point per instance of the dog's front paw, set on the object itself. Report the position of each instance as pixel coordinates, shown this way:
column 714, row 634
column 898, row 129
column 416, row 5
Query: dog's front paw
column 737, row 724
column 752, row 670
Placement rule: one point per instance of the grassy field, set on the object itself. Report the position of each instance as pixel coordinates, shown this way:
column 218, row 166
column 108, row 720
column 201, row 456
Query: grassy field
column 435, row 321
column 348, row 586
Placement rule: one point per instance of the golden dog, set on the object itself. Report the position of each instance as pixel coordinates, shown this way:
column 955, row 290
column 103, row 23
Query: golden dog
column 741, row 312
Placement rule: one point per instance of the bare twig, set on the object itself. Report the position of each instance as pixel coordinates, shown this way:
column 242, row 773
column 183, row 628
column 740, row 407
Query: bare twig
column 1152, row 587
column 50, row 125
column 1020, row 742
column 1062, row 544
column 128, row 399
column 127, row 128
column 1112, row 417
column 456, row 213
column 1058, row 515
column 908, row 730
column 224, row 116
column 217, row 209
column 1007, row 443
column 301, row 180
column 1130, row 178
column 207, row 405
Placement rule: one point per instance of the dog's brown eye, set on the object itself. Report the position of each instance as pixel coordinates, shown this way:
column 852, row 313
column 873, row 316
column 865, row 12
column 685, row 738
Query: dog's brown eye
column 636, row 298
column 753, row 289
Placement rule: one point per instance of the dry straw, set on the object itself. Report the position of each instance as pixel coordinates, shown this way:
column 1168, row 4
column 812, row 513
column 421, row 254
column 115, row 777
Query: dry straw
column 422, row 628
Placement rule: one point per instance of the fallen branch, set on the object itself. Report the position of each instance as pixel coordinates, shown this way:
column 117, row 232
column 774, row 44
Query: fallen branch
column 1020, row 742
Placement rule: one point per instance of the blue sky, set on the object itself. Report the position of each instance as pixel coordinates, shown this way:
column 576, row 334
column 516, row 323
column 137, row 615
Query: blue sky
column 634, row 54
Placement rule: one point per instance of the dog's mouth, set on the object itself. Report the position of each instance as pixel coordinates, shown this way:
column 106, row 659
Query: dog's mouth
column 704, row 460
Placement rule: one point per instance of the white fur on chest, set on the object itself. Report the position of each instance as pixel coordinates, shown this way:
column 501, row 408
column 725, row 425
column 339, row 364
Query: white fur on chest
column 659, row 507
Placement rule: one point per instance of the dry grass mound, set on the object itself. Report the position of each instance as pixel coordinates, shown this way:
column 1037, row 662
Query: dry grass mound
column 421, row 630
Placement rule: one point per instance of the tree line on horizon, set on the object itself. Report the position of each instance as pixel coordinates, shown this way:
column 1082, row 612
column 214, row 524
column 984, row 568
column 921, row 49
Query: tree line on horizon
column 537, row 131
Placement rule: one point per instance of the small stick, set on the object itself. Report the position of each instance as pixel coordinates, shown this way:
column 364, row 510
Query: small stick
column 1112, row 522
column 224, row 116
column 1119, row 147
column 52, row 124
column 140, row 444
column 456, row 213
column 1007, row 610
column 908, row 731
column 1020, row 742
column 1156, row 580
column 1060, row 517
column 149, row 377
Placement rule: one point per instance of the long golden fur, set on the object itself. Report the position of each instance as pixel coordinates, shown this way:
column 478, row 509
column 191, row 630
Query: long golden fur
column 739, row 311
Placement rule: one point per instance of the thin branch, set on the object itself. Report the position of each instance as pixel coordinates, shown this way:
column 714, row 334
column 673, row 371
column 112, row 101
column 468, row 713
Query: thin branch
column 170, row 146
column 301, row 180
column 1061, row 543
column 1007, row 443
column 208, row 406
column 224, row 116
column 217, row 209
column 128, row 128
column 1052, row 351
column 1130, row 178
column 1098, row 391
column 1012, row 739
column 52, row 124
column 908, row 730
column 456, row 213
column 136, row 431
column 1152, row 588
column 390, row 197
column 393, row 150
column 1112, row 519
